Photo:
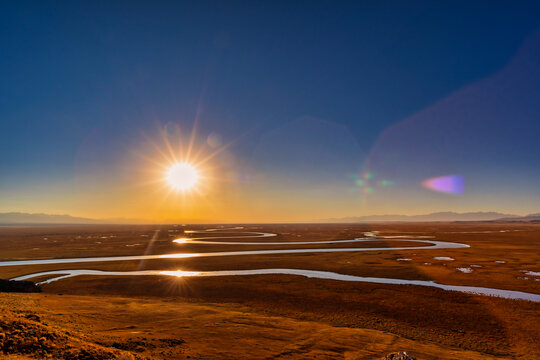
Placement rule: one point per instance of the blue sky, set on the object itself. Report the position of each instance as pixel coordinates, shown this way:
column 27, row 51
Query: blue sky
column 326, row 83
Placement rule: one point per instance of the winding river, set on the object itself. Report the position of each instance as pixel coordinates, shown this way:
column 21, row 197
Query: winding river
column 431, row 244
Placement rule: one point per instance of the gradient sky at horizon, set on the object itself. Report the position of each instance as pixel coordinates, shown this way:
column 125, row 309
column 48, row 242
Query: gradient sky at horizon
column 328, row 109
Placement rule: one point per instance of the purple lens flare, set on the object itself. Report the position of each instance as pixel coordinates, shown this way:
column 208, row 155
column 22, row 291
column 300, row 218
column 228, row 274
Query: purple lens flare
column 450, row 184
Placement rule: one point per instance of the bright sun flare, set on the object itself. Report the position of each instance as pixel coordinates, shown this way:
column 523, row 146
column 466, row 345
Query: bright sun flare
column 182, row 176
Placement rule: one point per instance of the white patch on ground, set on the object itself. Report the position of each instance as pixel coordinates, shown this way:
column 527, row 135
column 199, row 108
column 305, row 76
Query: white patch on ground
column 403, row 259
column 427, row 264
column 532, row 273
column 405, row 237
column 476, row 266
column 465, row 270
column 444, row 258
column 500, row 261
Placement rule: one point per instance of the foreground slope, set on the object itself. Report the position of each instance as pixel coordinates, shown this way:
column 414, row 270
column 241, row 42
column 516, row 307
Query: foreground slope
column 111, row 327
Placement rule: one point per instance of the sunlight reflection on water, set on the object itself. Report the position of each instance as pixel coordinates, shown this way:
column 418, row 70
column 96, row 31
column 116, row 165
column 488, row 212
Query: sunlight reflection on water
column 431, row 244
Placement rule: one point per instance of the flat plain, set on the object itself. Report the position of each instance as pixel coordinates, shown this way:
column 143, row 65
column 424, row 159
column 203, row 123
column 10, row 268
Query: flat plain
column 280, row 316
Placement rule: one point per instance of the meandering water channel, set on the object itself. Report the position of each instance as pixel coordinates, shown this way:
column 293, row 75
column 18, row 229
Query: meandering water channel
column 430, row 245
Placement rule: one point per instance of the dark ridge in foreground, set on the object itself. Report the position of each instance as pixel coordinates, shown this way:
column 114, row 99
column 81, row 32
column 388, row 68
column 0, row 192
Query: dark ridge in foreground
column 18, row 286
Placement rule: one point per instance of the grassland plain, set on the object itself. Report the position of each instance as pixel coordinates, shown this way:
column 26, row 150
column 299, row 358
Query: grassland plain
column 284, row 316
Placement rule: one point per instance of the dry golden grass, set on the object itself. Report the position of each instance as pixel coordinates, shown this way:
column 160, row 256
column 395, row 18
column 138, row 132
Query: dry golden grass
column 157, row 328
column 321, row 315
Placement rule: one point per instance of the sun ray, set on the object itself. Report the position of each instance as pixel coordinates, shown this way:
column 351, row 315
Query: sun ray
column 167, row 143
column 157, row 148
column 170, row 151
column 192, row 138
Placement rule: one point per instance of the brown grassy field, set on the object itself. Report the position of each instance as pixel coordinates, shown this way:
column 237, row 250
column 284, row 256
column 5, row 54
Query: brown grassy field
column 284, row 316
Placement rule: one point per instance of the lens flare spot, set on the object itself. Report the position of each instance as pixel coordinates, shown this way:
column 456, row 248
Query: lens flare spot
column 214, row 140
column 368, row 183
column 451, row 184
column 386, row 183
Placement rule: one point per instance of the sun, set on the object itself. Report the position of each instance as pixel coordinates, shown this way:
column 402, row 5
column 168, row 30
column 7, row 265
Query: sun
column 182, row 176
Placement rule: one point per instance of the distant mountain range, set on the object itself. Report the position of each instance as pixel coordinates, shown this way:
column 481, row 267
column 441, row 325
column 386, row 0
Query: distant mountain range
column 537, row 215
column 438, row 216
column 13, row 218
column 531, row 218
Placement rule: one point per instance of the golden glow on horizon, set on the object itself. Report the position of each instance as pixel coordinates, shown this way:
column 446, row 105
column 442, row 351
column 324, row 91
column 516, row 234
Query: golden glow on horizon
column 182, row 176
column 137, row 190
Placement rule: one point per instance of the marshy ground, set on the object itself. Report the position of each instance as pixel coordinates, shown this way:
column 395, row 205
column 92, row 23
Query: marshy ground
column 285, row 316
